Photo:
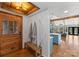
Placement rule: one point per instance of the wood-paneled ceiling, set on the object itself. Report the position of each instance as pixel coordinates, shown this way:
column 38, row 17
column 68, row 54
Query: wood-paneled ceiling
column 25, row 8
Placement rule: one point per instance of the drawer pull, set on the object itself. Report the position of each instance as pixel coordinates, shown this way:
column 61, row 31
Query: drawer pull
column 12, row 47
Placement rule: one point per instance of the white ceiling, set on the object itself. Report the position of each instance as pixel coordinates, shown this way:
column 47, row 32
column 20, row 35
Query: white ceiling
column 57, row 8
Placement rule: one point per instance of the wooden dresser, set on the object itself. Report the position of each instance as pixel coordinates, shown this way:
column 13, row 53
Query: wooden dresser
column 9, row 43
column 10, row 33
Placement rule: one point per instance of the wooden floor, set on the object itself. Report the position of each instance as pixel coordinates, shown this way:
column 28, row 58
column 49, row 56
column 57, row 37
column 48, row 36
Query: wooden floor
column 21, row 53
column 68, row 48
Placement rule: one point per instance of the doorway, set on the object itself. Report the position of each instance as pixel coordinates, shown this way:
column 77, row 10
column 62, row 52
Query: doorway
column 65, row 37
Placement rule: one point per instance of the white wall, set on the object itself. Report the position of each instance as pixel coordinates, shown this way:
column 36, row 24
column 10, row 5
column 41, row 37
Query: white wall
column 72, row 22
column 69, row 22
column 42, row 21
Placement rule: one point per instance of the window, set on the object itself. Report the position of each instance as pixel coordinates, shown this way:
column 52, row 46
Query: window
column 75, row 30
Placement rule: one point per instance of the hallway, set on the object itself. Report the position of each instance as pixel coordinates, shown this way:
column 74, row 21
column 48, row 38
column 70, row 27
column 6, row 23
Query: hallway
column 68, row 48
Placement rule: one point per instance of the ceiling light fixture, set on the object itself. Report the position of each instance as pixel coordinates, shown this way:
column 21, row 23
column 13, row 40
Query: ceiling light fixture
column 66, row 11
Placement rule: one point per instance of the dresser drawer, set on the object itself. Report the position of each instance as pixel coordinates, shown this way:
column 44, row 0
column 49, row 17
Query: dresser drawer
column 8, row 50
column 9, row 44
column 4, row 40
